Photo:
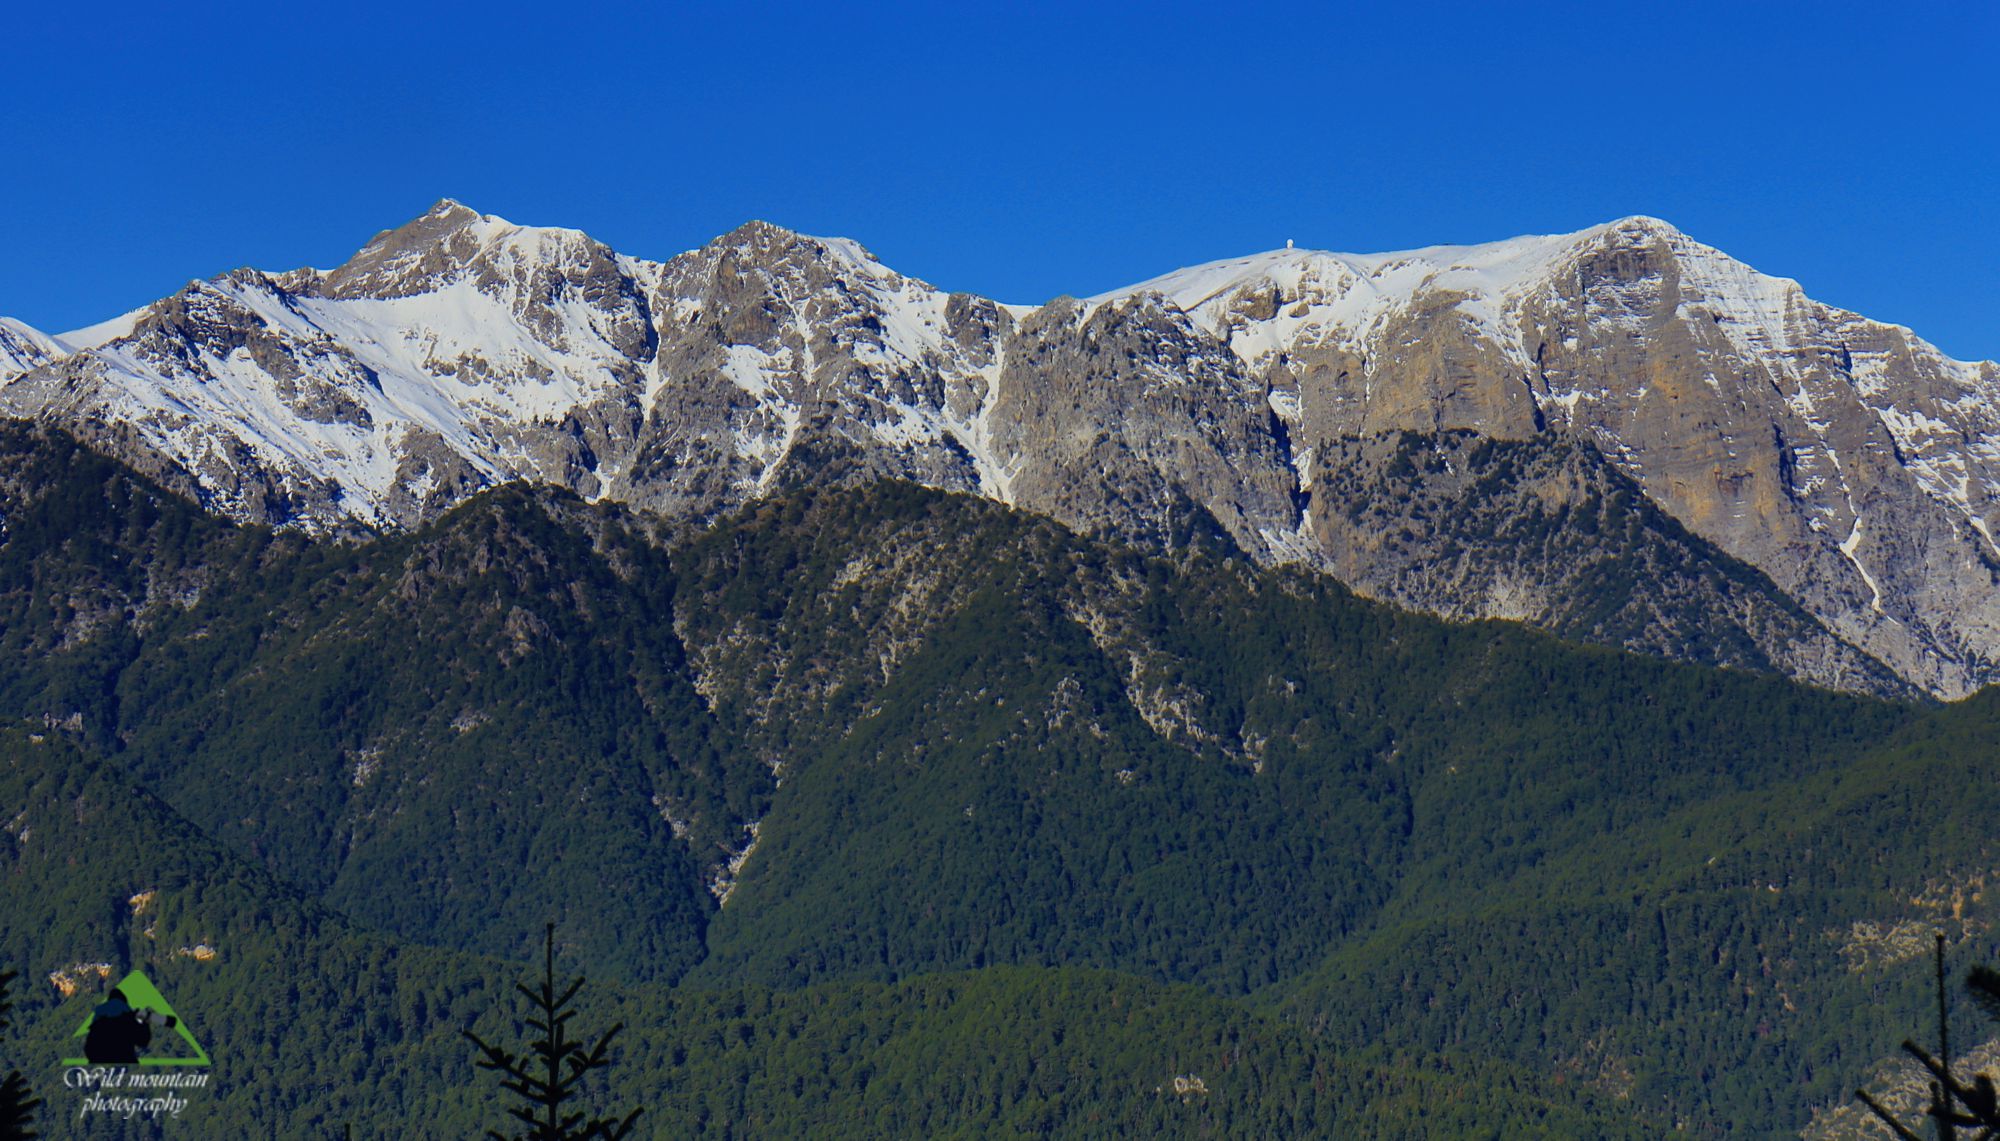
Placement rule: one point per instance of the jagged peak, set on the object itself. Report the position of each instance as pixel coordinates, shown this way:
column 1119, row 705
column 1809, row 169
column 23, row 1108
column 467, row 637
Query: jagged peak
column 453, row 210
column 767, row 239
column 201, row 302
column 227, row 285
column 437, row 246
column 446, row 216
column 757, row 231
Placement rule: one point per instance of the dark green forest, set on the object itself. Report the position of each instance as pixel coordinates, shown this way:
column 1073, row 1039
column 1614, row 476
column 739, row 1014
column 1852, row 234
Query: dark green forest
column 1041, row 824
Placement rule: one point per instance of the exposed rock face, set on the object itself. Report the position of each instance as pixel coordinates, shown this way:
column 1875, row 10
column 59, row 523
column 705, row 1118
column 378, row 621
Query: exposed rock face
column 1849, row 462
column 1105, row 415
column 1852, row 462
column 1545, row 531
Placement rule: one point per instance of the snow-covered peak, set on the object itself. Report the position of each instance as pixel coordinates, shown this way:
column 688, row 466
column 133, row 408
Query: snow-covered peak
column 1486, row 268
column 1270, row 302
column 1274, row 301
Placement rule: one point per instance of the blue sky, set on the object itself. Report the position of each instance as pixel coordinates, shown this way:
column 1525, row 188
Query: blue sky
column 1018, row 150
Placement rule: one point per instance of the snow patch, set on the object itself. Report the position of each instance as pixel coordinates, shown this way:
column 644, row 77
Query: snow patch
column 104, row 332
column 1848, row 547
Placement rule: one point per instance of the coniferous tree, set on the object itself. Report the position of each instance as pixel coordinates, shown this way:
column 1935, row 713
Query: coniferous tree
column 1973, row 1106
column 550, row 1073
column 17, row 1108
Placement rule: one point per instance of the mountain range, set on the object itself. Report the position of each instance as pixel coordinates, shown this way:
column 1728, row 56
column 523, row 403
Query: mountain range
column 1694, row 459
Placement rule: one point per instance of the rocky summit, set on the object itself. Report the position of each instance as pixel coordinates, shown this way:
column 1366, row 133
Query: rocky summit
column 1620, row 434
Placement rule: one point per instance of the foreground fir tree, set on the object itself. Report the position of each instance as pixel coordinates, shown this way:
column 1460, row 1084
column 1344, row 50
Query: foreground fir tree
column 549, row 1076
column 1972, row 1106
column 17, row 1109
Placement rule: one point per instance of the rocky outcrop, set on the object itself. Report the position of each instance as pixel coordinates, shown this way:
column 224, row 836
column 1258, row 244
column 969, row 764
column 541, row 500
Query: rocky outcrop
column 1105, row 416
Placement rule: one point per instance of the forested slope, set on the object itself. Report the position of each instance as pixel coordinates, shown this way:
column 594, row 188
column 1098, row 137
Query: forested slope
column 878, row 810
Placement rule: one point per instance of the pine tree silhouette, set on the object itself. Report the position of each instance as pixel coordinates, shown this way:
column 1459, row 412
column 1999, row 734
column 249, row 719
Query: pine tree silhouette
column 550, row 1073
column 1973, row 1106
column 17, row 1109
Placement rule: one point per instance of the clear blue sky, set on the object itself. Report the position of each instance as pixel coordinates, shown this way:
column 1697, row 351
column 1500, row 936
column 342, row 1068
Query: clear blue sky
column 1015, row 150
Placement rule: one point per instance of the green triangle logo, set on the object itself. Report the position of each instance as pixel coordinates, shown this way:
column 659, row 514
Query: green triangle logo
column 145, row 999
